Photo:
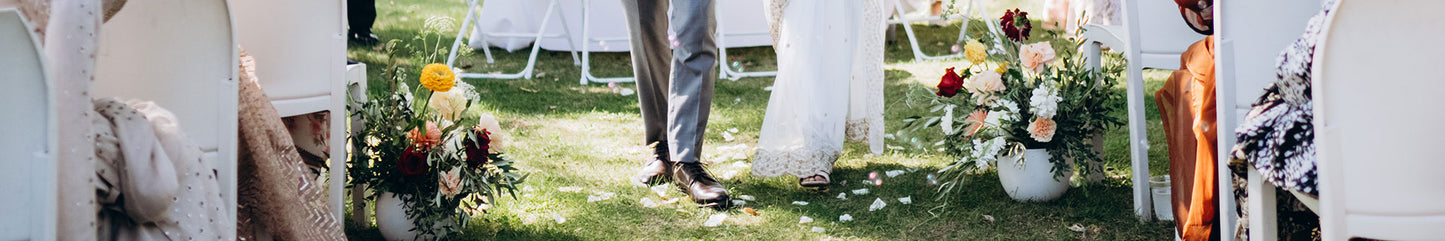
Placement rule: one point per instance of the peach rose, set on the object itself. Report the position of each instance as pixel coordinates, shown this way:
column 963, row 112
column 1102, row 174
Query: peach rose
column 986, row 82
column 432, row 137
column 1042, row 129
column 1035, row 56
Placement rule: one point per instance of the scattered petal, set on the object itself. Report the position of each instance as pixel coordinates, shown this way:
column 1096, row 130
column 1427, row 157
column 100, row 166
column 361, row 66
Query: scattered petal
column 648, row 203
column 739, row 202
column 1077, row 227
column 800, row 203
column 877, row 204
column 740, row 164
column 906, row 200
column 736, row 100
column 894, row 173
column 752, row 211
column 819, row 229
column 660, row 190
column 715, row 220
column 843, row 195
column 559, row 218
column 805, row 219
column 670, row 201
column 747, row 197
column 988, row 217
column 627, row 92
column 733, row 130
column 600, row 196
column 845, row 218
column 860, row 191
column 728, row 175
column 569, row 189
column 728, row 136
column 769, row 88
column 528, row 189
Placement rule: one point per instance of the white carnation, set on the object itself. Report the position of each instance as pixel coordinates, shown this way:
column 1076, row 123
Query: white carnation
column 1010, row 110
column 1045, row 102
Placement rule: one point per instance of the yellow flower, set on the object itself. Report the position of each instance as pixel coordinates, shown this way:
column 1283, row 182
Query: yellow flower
column 975, row 52
column 437, row 77
column 1002, row 68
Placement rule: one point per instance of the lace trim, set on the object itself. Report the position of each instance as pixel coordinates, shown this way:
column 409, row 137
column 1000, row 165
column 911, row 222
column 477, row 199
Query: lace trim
column 797, row 161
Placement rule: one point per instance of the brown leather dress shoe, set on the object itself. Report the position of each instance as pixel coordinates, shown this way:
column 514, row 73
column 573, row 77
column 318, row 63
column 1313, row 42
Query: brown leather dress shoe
column 694, row 180
column 653, row 172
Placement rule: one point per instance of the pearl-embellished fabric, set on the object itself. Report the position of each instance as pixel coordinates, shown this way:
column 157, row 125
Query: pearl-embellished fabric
column 153, row 183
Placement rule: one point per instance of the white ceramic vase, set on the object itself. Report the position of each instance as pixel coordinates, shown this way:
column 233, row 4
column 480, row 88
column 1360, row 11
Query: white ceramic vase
column 391, row 218
column 1034, row 181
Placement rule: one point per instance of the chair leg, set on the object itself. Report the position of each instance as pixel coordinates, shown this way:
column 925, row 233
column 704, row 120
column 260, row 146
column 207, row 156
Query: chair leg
column 1139, row 142
column 1264, row 221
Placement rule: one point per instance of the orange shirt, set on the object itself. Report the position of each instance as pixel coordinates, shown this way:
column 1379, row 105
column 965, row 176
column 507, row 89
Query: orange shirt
column 1186, row 105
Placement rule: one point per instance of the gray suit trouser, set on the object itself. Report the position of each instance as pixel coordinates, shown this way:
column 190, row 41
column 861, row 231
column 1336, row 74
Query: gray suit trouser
column 674, row 78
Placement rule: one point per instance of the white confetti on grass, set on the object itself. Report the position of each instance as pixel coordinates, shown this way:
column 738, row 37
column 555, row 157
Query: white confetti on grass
column 845, row 218
column 600, row 196
column 739, row 202
column 894, row 173
column 1077, row 227
column 648, row 203
column 819, row 230
column 715, row 220
column 843, row 195
column 988, row 217
column 660, row 190
column 559, row 218
column 728, row 136
column 569, row 189
column 800, row 203
column 860, row 191
column 747, row 197
column 733, row 130
column 877, row 204
column 906, row 200
column 805, row 219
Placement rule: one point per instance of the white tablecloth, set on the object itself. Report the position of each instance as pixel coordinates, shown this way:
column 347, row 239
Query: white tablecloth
column 608, row 22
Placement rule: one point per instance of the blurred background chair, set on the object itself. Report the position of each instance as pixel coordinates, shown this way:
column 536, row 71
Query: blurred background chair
column 1152, row 37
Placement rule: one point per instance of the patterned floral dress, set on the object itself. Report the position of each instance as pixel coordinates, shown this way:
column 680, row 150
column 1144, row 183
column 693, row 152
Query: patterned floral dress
column 1277, row 136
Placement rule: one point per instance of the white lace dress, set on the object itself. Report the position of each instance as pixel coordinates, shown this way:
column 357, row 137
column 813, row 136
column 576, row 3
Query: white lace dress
column 829, row 85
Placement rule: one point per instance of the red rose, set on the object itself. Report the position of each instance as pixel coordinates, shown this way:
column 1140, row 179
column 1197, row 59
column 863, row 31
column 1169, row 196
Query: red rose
column 1016, row 25
column 477, row 145
column 949, row 84
column 412, row 162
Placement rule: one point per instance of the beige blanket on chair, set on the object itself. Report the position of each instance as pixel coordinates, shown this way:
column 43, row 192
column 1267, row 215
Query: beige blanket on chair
column 275, row 192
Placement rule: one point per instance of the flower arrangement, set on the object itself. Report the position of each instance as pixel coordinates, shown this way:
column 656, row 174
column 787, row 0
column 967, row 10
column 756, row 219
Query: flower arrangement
column 442, row 160
column 1019, row 95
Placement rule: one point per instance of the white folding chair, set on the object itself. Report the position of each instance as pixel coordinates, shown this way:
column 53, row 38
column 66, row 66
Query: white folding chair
column 28, row 145
column 1153, row 37
column 1250, row 35
column 901, row 18
column 526, row 72
column 182, row 55
column 1376, row 96
column 300, row 51
column 745, row 12
column 588, row 40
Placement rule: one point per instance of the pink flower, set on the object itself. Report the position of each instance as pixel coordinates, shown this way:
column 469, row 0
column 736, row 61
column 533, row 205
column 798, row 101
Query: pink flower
column 1035, row 56
column 450, row 182
column 432, row 137
column 986, row 83
column 1042, row 129
column 977, row 117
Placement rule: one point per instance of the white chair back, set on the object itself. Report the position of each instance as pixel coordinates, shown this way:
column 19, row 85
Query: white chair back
column 1162, row 35
column 300, row 50
column 1376, row 94
column 27, row 135
column 182, row 55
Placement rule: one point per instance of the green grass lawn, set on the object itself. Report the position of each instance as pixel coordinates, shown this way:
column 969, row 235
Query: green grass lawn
column 570, row 135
